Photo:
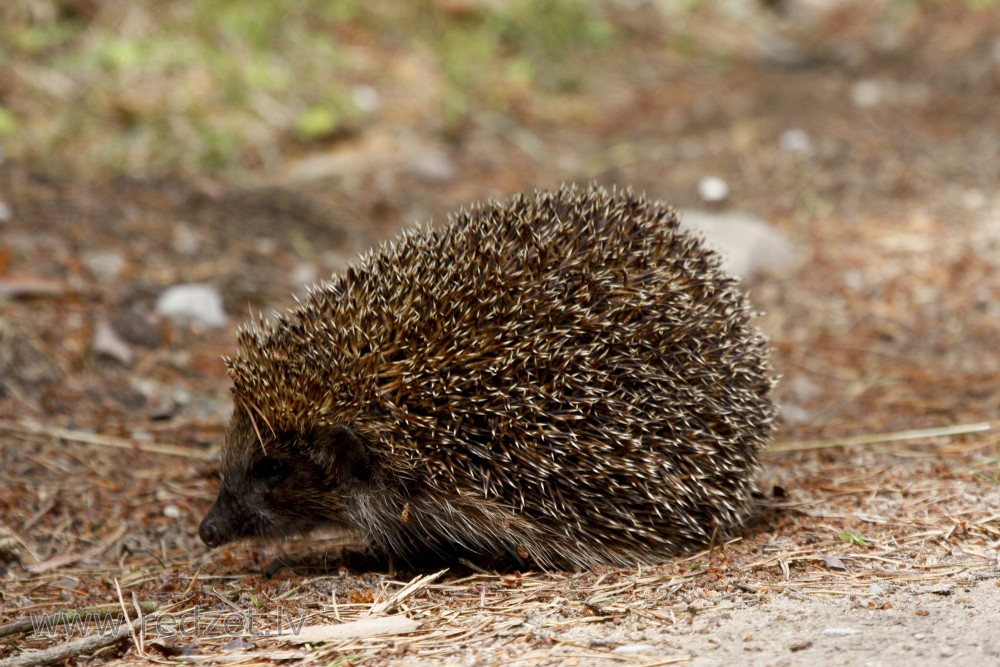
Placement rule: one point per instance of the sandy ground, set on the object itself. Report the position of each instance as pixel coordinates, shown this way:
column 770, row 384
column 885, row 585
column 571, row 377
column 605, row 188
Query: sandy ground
column 951, row 624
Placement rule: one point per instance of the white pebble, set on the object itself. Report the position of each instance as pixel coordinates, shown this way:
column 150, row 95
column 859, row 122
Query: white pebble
column 629, row 649
column 867, row 93
column 104, row 264
column 172, row 512
column 366, row 98
column 713, row 189
column 795, row 141
column 304, row 273
column 192, row 303
column 433, row 166
column 794, row 413
column 974, row 199
column 841, row 632
column 187, row 241
column 181, row 395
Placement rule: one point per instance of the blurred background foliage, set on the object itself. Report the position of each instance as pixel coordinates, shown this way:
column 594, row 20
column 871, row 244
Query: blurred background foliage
column 235, row 87
column 215, row 84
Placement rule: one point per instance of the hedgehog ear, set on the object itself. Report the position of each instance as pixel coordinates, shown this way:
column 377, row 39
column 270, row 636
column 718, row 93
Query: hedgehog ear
column 340, row 451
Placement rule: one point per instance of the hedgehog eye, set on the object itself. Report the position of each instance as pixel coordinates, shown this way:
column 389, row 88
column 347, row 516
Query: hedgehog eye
column 270, row 469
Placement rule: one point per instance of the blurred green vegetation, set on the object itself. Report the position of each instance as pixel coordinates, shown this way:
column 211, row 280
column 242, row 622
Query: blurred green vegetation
column 234, row 87
column 195, row 85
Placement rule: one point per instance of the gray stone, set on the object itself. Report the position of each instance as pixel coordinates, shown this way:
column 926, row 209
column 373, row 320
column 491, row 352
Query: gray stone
column 748, row 245
column 195, row 303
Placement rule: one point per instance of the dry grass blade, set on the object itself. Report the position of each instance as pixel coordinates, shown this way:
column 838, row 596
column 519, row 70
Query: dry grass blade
column 406, row 591
column 136, row 639
column 667, row 661
column 879, row 438
column 366, row 627
column 29, row 427
column 138, row 615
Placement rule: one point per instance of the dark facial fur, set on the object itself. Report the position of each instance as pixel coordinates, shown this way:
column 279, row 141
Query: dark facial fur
column 276, row 484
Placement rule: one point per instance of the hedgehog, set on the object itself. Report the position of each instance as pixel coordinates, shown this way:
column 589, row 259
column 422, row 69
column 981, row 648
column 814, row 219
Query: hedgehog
column 568, row 379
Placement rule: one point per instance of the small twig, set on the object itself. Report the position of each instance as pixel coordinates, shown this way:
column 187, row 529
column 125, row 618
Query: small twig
column 191, row 583
column 878, row 438
column 37, row 516
column 26, row 287
column 667, row 661
column 222, row 599
column 713, row 543
column 63, row 652
column 25, row 426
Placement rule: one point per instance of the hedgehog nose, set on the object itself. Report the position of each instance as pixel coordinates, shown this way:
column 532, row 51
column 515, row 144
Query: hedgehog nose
column 209, row 532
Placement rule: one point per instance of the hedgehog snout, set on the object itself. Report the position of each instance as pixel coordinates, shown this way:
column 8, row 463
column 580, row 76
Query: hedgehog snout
column 217, row 528
column 209, row 532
